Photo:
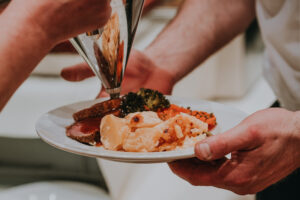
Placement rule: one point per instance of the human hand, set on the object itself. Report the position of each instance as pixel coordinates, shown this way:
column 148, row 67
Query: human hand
column 62, row 19
column 264, row 149
column 141, row 71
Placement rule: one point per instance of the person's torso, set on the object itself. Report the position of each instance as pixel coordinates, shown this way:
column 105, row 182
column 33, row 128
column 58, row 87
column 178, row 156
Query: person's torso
column 280, row 27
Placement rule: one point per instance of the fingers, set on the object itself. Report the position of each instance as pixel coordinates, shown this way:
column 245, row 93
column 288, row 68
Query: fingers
column 77, row 73
column 238, row 138
column 197, row 172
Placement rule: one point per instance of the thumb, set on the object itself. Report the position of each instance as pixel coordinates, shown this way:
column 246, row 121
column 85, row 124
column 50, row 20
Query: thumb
column 218, row 146
column 77, row 72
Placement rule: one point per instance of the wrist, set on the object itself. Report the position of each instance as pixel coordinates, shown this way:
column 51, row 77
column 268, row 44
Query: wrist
column 22, row 39
column 164, row 63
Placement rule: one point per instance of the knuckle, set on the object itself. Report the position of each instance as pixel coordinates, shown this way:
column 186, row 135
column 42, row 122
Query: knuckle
column 254, row 132
column 223, row 146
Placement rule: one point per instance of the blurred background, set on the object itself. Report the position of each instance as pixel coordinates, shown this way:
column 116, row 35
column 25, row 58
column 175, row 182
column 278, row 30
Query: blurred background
column 31, row 169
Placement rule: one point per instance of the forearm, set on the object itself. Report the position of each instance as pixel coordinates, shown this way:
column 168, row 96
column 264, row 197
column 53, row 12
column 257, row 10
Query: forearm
column 200, row 28
column 22, row 45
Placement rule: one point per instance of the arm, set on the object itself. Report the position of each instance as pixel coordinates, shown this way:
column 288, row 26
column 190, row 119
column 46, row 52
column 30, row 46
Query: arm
column 31, row 28
column 22, row 46
column 199, row 29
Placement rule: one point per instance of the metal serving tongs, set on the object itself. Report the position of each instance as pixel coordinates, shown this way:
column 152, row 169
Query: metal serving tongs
column 107, row 50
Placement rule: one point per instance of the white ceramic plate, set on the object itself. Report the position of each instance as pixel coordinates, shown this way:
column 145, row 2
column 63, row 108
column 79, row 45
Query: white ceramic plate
column 51, row 128
column 54, row 190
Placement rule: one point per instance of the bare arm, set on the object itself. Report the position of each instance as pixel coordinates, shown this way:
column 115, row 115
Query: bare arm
column 29, row 29
column 200, row 28
column 22, row 46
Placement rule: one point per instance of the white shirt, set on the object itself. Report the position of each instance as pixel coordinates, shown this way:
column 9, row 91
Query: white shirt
column 280, row 26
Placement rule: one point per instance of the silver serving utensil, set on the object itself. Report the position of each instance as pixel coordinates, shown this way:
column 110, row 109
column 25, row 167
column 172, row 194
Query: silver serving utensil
column 107, row 50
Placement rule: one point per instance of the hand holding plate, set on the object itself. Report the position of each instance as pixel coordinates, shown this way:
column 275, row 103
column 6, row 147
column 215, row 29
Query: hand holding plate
column 264, row 149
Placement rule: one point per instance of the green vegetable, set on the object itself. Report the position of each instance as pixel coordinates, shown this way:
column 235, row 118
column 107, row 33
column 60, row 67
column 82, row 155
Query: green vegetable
column 144, row 99
column 154, row 100
column 131, row 103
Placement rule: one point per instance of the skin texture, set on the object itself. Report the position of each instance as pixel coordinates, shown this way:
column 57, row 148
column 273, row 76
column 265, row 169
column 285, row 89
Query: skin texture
column 264, row 147
column 140, row 72
column 32, row 28
column 177, row 50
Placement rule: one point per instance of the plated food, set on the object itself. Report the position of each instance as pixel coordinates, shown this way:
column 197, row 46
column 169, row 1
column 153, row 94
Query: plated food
column 140, row 122
column 51, row 127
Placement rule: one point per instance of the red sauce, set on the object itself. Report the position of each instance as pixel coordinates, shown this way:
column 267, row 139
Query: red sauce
column 98, row 144
column 86, row 131
column 90, row 125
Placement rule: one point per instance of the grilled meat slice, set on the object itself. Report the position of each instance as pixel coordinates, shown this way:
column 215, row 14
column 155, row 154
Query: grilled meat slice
column 98, row 110
column 86, row 131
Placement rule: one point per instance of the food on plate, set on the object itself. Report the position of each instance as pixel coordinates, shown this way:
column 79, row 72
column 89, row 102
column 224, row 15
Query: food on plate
column 140, row 122
column 85, row 131
column 173, row 110
column 98, row 110
column 143, row 100
column 146, row 132
column 113, row 132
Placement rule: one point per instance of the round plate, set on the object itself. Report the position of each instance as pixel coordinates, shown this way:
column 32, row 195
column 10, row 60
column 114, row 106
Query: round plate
column 54, row 190
column 51, row 128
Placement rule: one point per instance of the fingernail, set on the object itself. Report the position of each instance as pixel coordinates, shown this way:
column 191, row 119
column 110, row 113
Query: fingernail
column 204, row 151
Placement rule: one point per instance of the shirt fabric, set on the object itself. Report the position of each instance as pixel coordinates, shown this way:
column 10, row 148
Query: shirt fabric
column 279, row 22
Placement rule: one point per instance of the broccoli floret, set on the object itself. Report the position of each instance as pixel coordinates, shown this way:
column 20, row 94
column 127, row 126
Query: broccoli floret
column 154, row 100
column 144, row 99
column 131, row 103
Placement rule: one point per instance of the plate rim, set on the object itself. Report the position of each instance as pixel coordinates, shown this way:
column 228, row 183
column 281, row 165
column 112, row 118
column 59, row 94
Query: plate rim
column 128, row 157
